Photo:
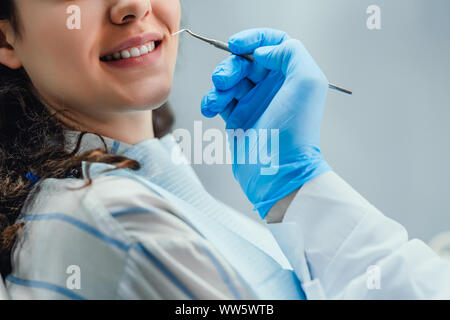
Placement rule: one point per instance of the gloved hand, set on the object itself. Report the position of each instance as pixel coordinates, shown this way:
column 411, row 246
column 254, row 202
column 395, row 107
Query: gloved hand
column 282, row 89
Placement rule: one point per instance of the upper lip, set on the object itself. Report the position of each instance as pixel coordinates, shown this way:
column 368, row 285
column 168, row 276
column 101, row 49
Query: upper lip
column 134, row 42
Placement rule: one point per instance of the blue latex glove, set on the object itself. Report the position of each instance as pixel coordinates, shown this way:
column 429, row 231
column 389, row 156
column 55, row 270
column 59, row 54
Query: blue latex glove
column 283, row 89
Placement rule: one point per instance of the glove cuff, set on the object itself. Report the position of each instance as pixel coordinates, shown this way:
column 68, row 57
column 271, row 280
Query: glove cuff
column 302, row 175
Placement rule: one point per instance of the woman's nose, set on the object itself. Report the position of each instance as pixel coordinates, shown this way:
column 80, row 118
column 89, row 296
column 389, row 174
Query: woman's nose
column 125, row 11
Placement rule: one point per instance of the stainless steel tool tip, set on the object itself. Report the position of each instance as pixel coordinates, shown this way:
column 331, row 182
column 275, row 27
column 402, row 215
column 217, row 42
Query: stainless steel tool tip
column 180, row 31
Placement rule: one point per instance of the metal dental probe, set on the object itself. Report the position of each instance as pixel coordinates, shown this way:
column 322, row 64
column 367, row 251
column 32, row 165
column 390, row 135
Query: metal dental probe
column 224, row 46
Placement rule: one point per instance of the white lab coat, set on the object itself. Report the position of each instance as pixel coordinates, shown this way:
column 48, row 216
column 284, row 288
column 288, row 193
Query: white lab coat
column 352, row 250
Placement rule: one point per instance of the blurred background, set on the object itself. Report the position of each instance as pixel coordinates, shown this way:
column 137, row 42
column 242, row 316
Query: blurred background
column 391, row 139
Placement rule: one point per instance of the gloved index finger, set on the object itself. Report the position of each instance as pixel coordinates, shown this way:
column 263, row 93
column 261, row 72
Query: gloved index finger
column 230, row 71
column 246, row 41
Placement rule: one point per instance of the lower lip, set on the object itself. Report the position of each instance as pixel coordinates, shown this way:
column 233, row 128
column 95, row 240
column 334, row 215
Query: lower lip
column 144, row 60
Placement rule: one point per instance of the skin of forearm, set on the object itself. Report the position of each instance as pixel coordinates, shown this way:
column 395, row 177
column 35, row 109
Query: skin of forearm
column 276, row 213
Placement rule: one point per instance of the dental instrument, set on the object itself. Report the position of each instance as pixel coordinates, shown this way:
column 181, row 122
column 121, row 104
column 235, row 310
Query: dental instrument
column 224, row 46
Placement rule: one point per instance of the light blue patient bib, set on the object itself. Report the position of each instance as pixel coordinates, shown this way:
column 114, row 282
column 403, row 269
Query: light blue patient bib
column 249, row 247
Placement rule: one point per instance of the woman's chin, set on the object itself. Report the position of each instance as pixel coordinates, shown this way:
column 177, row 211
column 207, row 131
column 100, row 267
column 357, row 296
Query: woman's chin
column 145, row 98
column 148, row 103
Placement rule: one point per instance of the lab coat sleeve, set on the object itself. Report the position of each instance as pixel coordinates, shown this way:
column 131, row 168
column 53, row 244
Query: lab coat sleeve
column 342, row 247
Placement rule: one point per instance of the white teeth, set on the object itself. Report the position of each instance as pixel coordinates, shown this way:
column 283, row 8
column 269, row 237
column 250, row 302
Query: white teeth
column 143, row 50
column 125, row 54
column 133, row 52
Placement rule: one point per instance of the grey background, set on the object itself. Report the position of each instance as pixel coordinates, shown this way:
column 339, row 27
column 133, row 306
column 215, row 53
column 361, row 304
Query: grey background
column 390, row 140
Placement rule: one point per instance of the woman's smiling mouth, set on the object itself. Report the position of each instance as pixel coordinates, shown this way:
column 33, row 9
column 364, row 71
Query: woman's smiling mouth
column 143, row 55
column 133, row 52
column 140, row 50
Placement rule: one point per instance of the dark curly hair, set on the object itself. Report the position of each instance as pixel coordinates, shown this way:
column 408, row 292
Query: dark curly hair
column 32, row 140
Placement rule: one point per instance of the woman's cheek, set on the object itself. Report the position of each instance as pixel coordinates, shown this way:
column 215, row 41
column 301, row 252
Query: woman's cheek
column 169, row 12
